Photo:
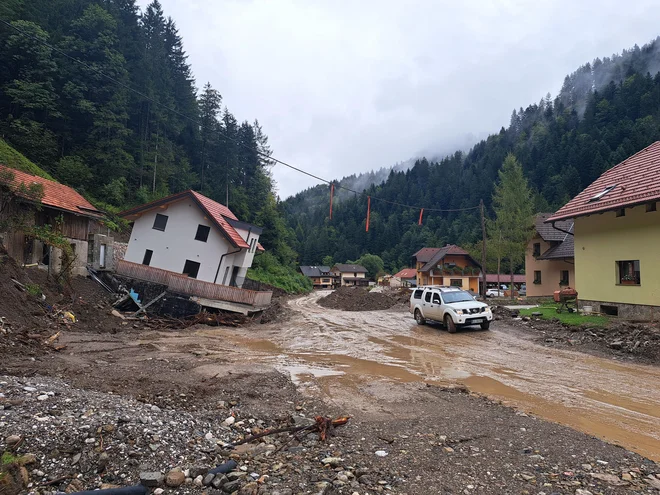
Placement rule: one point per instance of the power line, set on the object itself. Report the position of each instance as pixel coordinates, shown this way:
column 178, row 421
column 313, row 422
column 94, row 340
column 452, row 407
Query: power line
column 187, row 117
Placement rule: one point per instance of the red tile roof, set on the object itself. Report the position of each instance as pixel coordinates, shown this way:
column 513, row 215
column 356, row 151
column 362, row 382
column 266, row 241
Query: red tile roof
column 424, row 255
column 407, row 273
column 217, row 212
column 56, row 195
column 636, row 180
column 442, row 252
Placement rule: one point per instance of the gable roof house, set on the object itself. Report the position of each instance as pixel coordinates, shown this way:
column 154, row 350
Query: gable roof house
column 321, row 276
column 408, row 277
column 28, row 200
column 448, row 266
column 616, row 235
column 549, row 259
column 195, row 246
column 349, row 275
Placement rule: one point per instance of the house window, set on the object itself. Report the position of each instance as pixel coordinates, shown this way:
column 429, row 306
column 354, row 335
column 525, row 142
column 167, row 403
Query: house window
column 191, row 268
column 147, row 257
column 355, row 275
column 628, row 272
column 537, row 276
column 651, row 207
column 102, row 251
column 537, row 249
column 202, row 233
column 621, row 212
column 224, row 279
column 564, row 278
column 160, row 222
column 456, row 282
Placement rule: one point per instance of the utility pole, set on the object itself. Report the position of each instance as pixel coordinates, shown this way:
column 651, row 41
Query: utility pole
column 153, row 186
column 483, row 249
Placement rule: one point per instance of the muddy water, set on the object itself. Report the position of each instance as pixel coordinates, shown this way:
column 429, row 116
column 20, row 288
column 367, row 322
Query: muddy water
column 617, row 402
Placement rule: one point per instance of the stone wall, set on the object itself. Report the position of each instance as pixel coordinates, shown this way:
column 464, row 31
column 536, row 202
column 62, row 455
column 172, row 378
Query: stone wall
column 635, row 312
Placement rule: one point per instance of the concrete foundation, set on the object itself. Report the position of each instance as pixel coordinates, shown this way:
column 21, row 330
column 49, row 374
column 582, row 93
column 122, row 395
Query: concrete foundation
column 636, row 312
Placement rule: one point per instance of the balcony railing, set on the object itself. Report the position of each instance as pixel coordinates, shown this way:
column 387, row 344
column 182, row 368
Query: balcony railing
column 193, row 287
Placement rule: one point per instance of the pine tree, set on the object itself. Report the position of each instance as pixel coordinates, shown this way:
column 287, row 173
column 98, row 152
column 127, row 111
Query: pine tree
column 512, row 203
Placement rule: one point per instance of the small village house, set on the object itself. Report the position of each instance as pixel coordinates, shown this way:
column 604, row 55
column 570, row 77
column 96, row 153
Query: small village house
column 549, row 260
column 321, row 276
column 408, row 277
column 617, row 238
column 192, row 235
column 350, row 275
column 448, row 266
column 29, row 202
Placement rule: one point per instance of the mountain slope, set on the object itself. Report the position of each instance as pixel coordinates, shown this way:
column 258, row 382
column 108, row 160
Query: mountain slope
column 605, row 112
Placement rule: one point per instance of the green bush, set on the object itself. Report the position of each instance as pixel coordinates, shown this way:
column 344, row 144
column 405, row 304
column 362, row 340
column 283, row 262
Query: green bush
column 266, row 268
column 33, row 289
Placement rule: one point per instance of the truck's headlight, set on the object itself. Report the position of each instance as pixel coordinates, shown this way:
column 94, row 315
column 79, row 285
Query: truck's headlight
column 459, row 311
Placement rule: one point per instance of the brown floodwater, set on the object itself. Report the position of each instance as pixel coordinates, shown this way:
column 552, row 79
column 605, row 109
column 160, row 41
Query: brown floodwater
column 616, row 401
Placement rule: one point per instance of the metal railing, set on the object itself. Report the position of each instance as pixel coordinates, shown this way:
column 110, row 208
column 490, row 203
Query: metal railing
column 193, row 287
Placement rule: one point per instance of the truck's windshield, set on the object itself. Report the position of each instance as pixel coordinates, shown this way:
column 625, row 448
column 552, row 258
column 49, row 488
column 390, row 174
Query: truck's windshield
column 458, row 296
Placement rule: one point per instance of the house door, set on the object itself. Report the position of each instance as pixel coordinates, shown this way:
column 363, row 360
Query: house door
column 234, row 274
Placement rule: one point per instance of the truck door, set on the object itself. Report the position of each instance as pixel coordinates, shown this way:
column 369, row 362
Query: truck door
column 435, row 312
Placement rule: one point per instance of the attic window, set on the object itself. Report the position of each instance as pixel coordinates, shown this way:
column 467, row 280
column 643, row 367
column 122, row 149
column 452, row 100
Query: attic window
column 160, row 222
column 602, row 193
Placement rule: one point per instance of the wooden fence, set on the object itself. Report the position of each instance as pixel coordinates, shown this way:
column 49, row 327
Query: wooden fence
column 193, row 287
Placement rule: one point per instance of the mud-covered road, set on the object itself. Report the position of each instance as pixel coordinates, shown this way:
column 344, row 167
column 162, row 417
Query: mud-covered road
column 338, row 354
column 371, row 363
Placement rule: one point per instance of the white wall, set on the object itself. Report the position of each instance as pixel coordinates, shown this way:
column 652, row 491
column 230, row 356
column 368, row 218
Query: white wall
column 172, row 247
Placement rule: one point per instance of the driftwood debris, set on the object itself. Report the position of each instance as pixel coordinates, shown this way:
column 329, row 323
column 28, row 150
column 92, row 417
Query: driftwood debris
column 324, row 426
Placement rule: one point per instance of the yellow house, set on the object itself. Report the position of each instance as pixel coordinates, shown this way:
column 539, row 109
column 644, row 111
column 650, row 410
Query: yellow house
column 549, row 260
column 617, row 238
column 448, row 266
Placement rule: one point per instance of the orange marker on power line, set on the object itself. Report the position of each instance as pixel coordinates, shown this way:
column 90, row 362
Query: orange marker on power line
column 421, row 214
column 368, row 211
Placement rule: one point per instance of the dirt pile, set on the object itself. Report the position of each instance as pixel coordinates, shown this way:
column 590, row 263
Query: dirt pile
column 35, row 308
column 363, row 299
column 637, row 341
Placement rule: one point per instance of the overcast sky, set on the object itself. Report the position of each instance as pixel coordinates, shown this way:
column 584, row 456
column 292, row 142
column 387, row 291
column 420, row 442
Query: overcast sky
column 347, row 86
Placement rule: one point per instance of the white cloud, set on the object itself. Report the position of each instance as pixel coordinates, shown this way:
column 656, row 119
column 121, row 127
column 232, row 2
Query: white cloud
column 342, row 86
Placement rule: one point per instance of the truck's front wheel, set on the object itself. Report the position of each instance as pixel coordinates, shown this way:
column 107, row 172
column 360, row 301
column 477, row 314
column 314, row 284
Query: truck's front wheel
column 449, row 324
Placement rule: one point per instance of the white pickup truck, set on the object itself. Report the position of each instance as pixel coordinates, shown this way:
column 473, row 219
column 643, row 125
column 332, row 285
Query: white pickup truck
column 452, row 306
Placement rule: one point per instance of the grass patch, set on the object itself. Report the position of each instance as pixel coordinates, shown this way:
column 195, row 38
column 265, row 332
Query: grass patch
column 549, row 311
column 13, row 159
column 8, row 458
column 266, row 268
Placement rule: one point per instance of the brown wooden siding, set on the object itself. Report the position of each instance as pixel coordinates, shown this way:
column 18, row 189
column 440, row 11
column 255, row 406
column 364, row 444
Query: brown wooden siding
column 186, row 285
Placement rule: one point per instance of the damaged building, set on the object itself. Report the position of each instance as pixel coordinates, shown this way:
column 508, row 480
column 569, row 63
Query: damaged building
column 192, row 245
column 29, row 203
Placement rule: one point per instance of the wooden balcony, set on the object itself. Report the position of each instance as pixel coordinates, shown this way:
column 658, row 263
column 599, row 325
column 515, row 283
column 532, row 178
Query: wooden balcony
column 202, row 291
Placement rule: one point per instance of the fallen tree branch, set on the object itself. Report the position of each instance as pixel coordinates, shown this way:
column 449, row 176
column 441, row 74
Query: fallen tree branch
column 322, row 425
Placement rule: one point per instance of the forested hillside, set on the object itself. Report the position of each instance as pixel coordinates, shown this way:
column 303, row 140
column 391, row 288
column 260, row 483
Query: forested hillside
column 605, row 112
column 130, row 125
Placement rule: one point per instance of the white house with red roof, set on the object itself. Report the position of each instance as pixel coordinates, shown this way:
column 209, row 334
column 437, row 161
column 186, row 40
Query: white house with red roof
column 39, row 202
column 191, row 235
column 616, row 238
